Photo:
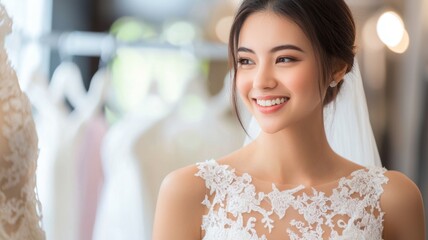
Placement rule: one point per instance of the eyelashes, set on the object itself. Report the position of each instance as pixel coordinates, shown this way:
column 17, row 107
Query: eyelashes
column 285, row 60
column 246, row 61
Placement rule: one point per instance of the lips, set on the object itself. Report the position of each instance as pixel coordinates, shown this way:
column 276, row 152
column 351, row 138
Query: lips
column 270, row 104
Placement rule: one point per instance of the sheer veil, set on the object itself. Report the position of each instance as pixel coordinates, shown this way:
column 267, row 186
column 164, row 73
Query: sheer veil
column 346, row 122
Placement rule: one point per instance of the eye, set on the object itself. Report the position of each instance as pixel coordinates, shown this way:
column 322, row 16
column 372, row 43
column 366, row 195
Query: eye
column 244, row 61
column 285, row 60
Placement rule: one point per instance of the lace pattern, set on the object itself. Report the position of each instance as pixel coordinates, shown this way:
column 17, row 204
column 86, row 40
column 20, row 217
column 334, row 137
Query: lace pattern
column 234, row 207
column 19, row 207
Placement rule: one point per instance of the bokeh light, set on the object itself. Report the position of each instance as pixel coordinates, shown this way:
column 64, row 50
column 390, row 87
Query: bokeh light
column 128, row 29
column 390, row 28
column 180, row 33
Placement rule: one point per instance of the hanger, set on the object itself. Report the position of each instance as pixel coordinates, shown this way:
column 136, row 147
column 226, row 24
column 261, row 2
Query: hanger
column 67, row 80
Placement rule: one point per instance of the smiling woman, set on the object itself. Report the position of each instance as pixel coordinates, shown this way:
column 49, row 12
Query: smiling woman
column 290, row 60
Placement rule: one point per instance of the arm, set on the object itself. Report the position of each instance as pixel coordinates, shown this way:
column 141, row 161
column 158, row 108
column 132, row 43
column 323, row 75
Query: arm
column 403, row 207
column 179, row 210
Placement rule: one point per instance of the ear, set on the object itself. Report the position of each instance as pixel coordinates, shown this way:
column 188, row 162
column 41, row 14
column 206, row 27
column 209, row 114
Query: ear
column 339, row 72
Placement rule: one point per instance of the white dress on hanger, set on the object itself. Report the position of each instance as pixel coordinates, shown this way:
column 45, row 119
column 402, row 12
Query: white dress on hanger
column 20, row 210
column 61, row 132
column 66, row 165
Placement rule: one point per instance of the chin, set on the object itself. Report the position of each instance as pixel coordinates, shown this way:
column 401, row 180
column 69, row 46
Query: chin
column 271, row 128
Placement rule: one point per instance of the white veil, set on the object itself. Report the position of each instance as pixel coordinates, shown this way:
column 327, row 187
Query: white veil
column 346, row 122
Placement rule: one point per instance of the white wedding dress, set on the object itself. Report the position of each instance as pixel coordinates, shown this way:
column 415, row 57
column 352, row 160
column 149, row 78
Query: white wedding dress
column 19, row 207
column 239, row 206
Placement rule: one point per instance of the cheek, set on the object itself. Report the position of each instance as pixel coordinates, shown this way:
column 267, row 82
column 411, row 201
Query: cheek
column 303, row 83
column 243, row 85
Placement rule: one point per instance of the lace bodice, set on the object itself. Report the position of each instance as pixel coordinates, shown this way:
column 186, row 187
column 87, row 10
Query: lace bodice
column 19, row 207
column 238, row 207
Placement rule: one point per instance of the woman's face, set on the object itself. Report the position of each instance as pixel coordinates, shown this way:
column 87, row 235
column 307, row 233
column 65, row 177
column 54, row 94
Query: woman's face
column 277, row 75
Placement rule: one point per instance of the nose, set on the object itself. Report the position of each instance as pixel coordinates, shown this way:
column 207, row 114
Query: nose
column 264, row 77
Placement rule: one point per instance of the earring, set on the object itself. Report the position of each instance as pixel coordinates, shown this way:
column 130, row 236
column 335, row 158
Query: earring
column 333, row 84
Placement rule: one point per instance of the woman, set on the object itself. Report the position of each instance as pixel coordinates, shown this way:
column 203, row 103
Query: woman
column 290, row 58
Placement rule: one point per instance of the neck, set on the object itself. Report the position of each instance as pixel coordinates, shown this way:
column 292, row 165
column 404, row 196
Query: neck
column 296, row 152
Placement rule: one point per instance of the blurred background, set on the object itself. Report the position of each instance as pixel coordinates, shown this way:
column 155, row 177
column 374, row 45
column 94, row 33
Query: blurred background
column 125, row 91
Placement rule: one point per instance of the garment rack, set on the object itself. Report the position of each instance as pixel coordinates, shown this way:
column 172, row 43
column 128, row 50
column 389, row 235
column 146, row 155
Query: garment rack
column 97, row 44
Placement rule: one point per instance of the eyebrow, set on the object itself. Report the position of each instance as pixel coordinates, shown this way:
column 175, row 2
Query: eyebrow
column 275, row 49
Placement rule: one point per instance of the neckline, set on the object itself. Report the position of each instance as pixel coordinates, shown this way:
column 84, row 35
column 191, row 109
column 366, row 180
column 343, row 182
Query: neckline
column 288, row 187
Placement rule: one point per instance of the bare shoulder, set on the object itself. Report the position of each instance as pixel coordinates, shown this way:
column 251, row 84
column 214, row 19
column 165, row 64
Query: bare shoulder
column 400, row 191
column 402, row 204
column 179, row 210
column 184, row 181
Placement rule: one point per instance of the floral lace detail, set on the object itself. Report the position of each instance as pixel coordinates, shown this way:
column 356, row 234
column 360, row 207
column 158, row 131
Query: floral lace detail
column 19, row 207
column 351, row 211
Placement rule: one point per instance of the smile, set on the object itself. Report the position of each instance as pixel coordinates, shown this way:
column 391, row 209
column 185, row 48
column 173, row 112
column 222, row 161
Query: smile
column 271, row 102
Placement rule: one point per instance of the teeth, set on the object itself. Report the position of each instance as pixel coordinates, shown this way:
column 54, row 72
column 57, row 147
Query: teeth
column 273, row 102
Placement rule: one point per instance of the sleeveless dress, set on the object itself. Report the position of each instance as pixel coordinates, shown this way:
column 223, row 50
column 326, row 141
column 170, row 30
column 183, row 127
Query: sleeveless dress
column 239, row 207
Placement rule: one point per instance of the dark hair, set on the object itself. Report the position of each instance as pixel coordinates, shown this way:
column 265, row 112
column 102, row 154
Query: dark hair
column 328, row 25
